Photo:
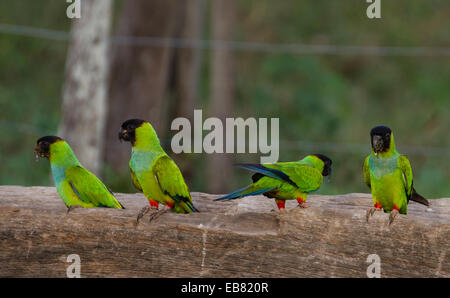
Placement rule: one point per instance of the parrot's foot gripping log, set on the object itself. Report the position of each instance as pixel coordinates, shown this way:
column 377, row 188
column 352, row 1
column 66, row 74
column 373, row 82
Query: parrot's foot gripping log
column 157, row 214
column 144, row 211
column 371, row 211
column 392, row 216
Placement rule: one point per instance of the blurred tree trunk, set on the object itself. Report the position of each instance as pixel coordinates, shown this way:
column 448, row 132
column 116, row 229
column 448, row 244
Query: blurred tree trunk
column 189, row 59
column 187, row 72
column 139, row 72
column 84, row 94
column 222, row 89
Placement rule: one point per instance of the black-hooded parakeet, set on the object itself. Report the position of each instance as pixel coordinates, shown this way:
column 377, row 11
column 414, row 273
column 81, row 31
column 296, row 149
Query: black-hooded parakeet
column 389, row 176
column 285, row 180
column 75, row 185
column 153, row 172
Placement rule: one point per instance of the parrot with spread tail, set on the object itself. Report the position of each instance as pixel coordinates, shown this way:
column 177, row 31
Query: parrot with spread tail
column 153, row 172
column 75, row 185
column 285, row 180
column 389, row 176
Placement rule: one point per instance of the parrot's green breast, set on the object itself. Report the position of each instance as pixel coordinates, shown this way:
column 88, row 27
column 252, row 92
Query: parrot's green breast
column 387, row 182
column 380, row 167
column 142, row 161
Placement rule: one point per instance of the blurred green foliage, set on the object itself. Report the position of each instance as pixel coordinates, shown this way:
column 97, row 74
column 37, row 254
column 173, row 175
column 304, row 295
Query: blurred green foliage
column 333, row 99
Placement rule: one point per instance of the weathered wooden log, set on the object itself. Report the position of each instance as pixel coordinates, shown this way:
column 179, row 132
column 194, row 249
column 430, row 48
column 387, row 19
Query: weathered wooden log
column 241, row 238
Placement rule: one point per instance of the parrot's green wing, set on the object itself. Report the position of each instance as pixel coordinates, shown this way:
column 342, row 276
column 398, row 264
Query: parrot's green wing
column 89, row 188
column 171, row 181
column 135, row 180
column 366, row 171
column 407, row 175
column 304, row 177
column 307, row 178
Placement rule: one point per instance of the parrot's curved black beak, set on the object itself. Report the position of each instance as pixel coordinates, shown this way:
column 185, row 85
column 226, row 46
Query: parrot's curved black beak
column 42, row 148
column 40, row 152
column 377, row 143
column 36, row 152
column 123, row 135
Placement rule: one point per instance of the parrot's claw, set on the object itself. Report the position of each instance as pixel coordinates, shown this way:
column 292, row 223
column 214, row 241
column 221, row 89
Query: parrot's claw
column 392, row 216
column 72, row 207
column 303, row 205
column 370, row 212
column 141, row 213
column 157, row 214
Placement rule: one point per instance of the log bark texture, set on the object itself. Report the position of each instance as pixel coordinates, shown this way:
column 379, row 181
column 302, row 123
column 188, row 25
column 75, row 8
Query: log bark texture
column 241, row 238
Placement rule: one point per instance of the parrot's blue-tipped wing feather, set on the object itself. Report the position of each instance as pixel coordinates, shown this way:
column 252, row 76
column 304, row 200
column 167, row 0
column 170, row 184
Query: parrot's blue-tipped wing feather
column 273, row 173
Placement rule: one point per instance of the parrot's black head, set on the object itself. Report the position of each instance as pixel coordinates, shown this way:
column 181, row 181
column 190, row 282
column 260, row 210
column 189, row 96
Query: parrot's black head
column 42, row 148
column 327, row 164
column 381, row 138
column 128, row 130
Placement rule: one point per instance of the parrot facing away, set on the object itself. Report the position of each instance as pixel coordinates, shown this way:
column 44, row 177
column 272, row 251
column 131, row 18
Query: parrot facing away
column 76, row 186
column 285, row 180
column 153, row 172
column 389, row 176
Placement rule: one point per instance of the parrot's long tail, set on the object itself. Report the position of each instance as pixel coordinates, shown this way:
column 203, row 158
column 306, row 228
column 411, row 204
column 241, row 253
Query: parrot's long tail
column 187, row 205
column 244, row 192
column 418, row 198
column 191, row 206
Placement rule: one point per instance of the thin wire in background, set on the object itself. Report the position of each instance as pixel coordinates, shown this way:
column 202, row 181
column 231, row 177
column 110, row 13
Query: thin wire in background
column 300, row 49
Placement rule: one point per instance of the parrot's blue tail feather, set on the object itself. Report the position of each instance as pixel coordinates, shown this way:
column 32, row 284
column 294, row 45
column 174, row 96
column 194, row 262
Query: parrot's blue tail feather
column 273, row 173
column 234, row 195
column 244, row 192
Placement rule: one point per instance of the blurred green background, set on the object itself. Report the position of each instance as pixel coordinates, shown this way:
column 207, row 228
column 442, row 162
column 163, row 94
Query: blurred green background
column 326, row 103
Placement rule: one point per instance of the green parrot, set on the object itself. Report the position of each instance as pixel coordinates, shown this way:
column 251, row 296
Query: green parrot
column 285, row 180
column 153, row 172
column 389, row 176
column 76, row 186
